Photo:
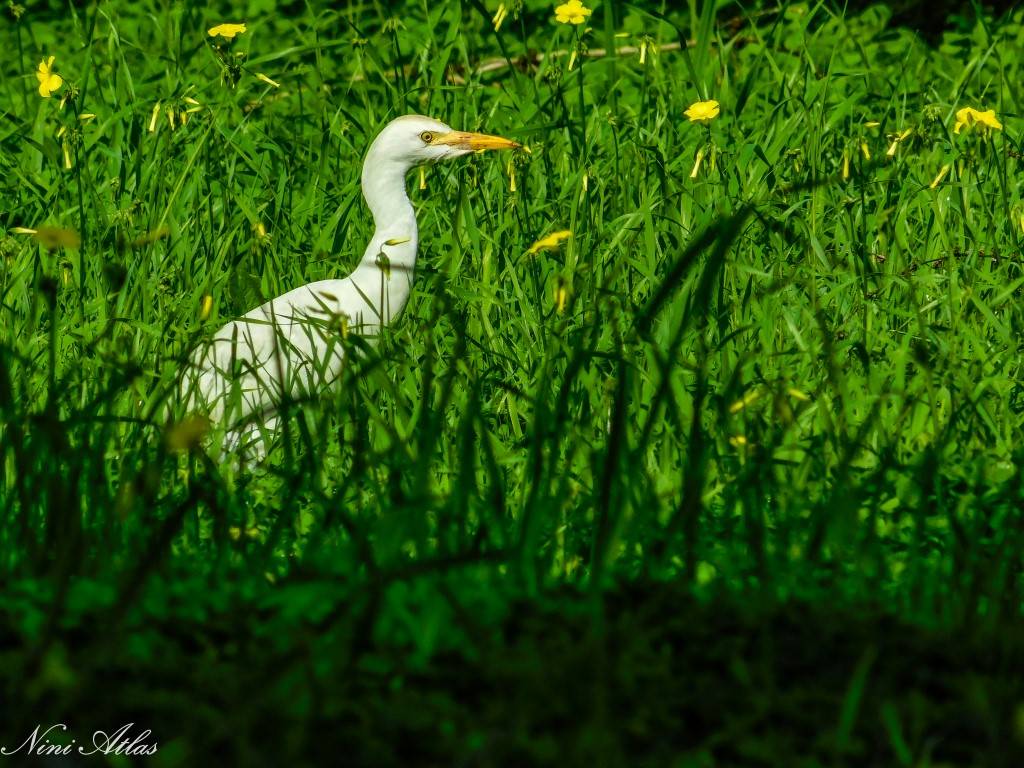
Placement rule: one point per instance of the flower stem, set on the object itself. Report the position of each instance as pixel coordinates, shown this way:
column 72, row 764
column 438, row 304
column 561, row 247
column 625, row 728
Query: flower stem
column 583, row 113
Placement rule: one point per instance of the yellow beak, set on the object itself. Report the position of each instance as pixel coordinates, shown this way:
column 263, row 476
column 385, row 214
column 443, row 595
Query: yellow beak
column 475, row 141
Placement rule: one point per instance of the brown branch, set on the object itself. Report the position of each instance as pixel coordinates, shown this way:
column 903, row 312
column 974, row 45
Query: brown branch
column 533, row 59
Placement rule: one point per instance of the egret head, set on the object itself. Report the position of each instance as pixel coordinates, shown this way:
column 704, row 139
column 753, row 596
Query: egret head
column 415, row 139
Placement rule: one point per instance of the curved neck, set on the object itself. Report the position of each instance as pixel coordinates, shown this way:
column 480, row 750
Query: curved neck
column 388, row 264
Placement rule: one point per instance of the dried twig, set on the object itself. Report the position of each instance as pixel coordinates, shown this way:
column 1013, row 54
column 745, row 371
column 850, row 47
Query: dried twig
column 533, row 59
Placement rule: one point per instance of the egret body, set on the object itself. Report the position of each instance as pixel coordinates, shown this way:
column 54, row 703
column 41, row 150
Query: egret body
column 293, row 345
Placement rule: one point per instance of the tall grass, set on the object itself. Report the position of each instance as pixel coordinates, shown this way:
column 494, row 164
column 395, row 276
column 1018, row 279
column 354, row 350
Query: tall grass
column 794, row 372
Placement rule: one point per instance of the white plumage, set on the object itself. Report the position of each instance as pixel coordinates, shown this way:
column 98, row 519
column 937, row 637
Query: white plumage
column 293, row 345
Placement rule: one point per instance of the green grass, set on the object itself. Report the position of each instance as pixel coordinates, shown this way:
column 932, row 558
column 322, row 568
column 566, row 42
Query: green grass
column 778, row 415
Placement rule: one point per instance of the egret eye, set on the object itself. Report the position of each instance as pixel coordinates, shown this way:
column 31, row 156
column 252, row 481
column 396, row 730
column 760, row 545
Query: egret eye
column 427, row 137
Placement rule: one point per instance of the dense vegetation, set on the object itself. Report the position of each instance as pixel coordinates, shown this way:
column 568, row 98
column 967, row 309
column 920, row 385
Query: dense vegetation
column 731, row 476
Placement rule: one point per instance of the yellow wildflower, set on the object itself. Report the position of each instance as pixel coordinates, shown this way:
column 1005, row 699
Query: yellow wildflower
column 227, row 31
column 938, row 179
column 751, row 397
column 969, row 117
column 647, row 45
column 51, row 238
column 572, row 12
column 737, row 441
column 896, row 139
column 194, row 106
column 702, row 111
column 49, row 81
column 267, row 80
column 697, row 162
column 561, row 295
column 551, row 242
column 499, row 16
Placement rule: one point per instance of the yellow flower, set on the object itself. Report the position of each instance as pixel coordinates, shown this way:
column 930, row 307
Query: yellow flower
column 573, row 12
column 562, row 295
column 938, row 179
column 969, row 117
column 49, row 81
column 751, row 397
column 896, row 139
column 499, row 16
column 796, row 393
column 550, row 242
column 702, row 111
column 51, row 238
column 696, row 163
column 227, row 31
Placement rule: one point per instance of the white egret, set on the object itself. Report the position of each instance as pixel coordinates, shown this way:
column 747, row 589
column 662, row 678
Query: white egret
column 293, row 345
